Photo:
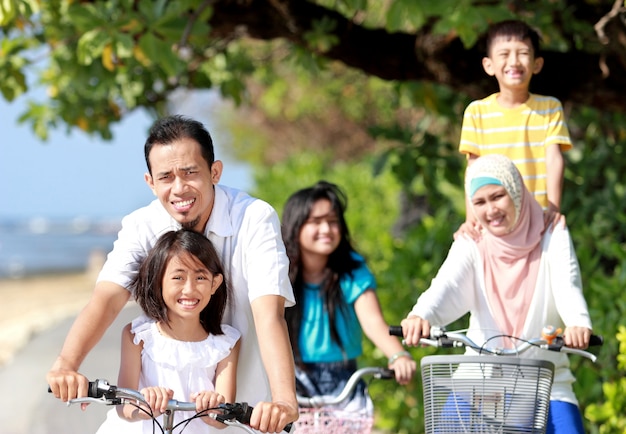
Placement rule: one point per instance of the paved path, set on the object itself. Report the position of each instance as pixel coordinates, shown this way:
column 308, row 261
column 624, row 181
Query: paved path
column 25, row 405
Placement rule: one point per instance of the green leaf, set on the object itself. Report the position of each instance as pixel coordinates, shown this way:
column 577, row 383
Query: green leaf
column 85, row 16
column 91, row 44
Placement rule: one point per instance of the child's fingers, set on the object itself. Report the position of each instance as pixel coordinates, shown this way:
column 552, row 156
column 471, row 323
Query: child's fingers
column 207, row 400
column 157, row 397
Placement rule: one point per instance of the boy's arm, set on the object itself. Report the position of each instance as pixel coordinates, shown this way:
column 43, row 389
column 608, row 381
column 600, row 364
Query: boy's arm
column 555, row 168
column 470, row 227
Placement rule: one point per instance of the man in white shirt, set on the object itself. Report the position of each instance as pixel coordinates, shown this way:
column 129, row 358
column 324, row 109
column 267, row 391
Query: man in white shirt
column 183, row 174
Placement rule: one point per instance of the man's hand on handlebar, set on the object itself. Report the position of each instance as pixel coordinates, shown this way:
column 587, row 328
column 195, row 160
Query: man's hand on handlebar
column 272, row 416
column 415, row 328
column 67, row 384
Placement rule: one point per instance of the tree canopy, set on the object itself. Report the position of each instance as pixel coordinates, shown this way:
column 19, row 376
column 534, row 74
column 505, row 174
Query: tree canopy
column 101, row 59
column 366, row 93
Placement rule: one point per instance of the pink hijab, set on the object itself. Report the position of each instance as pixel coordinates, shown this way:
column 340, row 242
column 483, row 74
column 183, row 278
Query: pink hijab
column 511, row 261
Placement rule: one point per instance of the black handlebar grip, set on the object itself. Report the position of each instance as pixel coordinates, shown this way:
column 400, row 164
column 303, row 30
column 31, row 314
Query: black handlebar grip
column 247, row 413
column 596, row 341
column 92, row 390
column 396, row 330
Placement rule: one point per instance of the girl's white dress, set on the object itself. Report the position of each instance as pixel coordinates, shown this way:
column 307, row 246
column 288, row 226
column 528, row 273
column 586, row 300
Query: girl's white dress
column 184, row 367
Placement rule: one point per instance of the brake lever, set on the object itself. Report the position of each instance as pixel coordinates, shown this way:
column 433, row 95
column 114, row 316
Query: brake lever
column 89, row 400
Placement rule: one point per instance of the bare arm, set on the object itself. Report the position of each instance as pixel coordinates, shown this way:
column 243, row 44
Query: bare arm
column 225, row 386
column 130, row 370
column 470, row 227
column 226, row 374
column 106, row 302
column 375, row 327
column 555, row 168
column 271, row 328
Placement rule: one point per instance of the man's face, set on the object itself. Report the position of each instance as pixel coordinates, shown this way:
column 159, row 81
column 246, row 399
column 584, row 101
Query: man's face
column 512, row 61
column 183, row 182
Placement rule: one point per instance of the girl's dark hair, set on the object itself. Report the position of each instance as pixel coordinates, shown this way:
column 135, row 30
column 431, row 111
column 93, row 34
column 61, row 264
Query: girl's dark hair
column 176, row 127
column 513, row 29
column 295, row 214
column 148, row 284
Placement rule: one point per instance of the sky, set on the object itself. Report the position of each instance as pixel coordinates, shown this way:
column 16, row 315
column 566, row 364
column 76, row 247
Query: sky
column 76, row 175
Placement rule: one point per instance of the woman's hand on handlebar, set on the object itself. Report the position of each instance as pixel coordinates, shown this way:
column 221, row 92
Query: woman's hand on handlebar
column 273, row 416
column 414, row 328
column 577, row 337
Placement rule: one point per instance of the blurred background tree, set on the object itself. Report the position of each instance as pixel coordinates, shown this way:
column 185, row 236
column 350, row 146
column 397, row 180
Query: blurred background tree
column 367, row 94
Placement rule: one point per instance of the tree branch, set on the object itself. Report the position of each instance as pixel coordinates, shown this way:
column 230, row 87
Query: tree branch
column 574, row 76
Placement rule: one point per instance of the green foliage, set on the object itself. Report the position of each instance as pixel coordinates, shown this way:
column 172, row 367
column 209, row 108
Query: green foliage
column 610, row 414
column 404, row 263
column 101, row 59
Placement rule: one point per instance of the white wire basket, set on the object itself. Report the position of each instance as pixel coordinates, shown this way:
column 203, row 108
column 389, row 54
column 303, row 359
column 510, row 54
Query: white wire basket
column 486, row 394
column 328, row 420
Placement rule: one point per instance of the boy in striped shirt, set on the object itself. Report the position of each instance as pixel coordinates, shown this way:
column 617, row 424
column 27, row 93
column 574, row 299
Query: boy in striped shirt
column 530, row 129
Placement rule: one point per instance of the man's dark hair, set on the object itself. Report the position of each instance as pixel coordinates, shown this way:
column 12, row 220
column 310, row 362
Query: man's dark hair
column 176, row 127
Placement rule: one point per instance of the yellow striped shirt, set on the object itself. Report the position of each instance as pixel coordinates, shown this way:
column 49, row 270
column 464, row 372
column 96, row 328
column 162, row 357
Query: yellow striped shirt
column 522, row 133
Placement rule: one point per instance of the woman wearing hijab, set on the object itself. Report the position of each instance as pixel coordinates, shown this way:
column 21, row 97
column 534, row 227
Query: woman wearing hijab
column 516, row 279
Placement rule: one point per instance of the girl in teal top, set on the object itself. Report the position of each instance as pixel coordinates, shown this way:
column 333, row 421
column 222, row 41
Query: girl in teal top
column 335, row 298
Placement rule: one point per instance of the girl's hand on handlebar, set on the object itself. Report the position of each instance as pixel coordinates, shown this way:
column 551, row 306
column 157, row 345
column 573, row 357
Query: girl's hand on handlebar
column 404, row 368
column 157, row 398
column 205, row 400
column 577, row 337
column 272, row 416
column 414, row 328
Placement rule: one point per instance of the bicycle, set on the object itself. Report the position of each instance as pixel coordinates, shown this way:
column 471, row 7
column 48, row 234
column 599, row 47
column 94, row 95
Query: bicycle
column 320, row 414
column 231, row 414
column 488, row 393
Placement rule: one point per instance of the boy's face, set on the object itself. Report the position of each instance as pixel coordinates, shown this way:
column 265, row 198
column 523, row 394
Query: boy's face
column 512, row 61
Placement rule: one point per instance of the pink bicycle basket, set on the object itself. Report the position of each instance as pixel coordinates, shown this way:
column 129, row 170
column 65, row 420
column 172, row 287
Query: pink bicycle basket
column 328, row 420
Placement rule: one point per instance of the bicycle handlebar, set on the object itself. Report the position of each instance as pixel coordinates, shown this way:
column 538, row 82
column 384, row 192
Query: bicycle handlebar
column 440, row 337
column 101, row 392
column 320, row 401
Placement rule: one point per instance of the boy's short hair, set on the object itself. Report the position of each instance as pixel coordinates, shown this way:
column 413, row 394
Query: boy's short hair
column 513, row 29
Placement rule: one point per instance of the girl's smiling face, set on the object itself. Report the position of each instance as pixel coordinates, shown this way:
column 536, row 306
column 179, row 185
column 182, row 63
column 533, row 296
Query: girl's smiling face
column 188, row 286
column 494, row 209
column 320, row 234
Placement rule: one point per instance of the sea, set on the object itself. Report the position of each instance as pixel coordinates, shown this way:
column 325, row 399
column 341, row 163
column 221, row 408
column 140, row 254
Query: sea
column 39, row 245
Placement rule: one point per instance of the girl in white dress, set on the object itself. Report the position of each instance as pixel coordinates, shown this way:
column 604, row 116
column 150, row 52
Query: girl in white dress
column 180, row 349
